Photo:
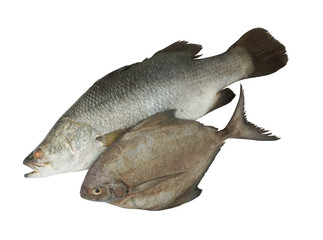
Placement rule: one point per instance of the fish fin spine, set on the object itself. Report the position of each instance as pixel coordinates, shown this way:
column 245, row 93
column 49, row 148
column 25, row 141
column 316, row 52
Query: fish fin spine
column 268, row 55
column 240, row 127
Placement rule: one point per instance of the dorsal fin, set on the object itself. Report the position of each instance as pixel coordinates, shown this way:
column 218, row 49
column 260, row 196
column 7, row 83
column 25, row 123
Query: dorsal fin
column 183, row 48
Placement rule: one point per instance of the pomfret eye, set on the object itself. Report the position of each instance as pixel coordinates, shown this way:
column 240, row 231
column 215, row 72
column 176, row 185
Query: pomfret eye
column 38, row 154
column 97, row 191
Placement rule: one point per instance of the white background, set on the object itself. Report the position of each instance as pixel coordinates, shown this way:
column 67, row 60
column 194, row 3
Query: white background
column 53, row 51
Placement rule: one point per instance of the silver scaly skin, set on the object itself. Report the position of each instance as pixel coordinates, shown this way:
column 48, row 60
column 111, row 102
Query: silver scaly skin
column 171, row 79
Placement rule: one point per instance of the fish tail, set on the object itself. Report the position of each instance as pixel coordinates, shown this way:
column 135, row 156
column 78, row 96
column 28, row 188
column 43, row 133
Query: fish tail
column 240, row 127
column 267, row 54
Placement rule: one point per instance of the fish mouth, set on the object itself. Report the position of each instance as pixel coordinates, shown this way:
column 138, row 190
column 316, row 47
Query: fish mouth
column 28, row 162
column 35, row 166
column 84, row 194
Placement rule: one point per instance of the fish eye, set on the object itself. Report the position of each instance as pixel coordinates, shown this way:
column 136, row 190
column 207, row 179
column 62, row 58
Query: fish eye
column 38, row 154
column 97, row 191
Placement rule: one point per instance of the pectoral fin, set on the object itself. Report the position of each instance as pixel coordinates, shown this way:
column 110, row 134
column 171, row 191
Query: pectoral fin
column 108, row 139
column 152, row 183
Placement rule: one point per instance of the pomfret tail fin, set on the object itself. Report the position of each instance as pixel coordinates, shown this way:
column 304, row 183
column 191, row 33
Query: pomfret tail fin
column 240, row 127
column 268, row 55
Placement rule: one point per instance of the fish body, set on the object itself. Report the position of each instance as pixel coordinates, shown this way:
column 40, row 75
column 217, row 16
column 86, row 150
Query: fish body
column 159, row 163
column 173, row 78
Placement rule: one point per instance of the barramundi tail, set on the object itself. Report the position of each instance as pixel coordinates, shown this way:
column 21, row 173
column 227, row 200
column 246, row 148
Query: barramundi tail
column 240, row 127
column 267, row 54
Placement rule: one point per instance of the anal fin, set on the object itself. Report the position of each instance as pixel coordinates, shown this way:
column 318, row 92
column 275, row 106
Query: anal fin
column 224, row 97
column 187, row 196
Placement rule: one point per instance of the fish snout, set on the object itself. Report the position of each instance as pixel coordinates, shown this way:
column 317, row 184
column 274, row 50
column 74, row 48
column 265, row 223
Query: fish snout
column 34, row 164
column 28, row 159
column 84, row 192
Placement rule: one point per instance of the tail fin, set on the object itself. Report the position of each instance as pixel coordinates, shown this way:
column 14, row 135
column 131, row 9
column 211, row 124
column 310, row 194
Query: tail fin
column 268, row 55
column 239, row 126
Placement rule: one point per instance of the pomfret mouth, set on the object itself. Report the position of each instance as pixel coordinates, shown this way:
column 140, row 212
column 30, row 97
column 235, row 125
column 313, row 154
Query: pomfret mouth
column 84, row 193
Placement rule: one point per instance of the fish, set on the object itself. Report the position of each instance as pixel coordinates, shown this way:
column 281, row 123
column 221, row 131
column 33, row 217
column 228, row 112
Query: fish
column 173, row 78
column 159, row 163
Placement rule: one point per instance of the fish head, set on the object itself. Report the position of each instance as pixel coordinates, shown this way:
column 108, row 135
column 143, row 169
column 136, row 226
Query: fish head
column 68, row 147
column 104, row 192
column 100, row 184
column 40, row 167
column 45, row 162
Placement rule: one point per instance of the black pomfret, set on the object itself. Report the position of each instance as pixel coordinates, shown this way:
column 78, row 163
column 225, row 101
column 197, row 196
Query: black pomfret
column 159, row 163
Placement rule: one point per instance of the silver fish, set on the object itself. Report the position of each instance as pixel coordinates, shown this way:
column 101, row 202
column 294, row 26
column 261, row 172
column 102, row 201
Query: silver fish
column 159, row 163
column 171, row 79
